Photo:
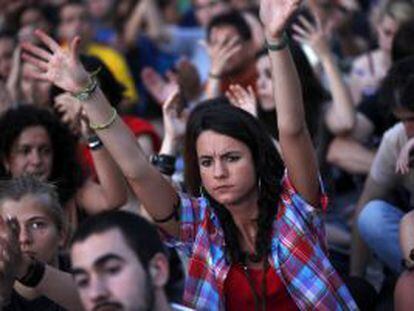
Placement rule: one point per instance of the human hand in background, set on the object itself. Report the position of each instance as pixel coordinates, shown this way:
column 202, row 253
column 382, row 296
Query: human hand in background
column 242, row 98
column 403, row 162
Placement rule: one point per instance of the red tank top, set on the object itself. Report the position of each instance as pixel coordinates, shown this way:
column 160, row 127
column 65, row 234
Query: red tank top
column 239, row 296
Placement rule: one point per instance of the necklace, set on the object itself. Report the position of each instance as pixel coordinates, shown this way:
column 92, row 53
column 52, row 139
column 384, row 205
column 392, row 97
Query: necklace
column 259, row 300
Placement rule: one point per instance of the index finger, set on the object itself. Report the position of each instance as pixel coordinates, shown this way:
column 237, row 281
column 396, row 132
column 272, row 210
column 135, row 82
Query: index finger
column 47, row 40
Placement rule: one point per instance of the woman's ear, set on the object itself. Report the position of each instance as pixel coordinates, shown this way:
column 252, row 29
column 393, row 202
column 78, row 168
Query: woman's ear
column 158, row 269
column 64, row 237
column 6, row 165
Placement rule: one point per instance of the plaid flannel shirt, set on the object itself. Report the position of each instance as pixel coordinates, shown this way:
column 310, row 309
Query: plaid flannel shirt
column 298, row 254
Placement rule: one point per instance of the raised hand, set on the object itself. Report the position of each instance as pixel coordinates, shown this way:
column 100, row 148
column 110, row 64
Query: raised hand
column 174, row 117
column 70, row 110
column 157, row 86
column 220, row 53
column 58, row 65
column 403, row 162
column 275, row 14
column 242, row 98
column 312, row 35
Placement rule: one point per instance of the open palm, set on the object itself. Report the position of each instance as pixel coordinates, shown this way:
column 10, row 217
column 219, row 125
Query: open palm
column 58, row 65
column 274, row 15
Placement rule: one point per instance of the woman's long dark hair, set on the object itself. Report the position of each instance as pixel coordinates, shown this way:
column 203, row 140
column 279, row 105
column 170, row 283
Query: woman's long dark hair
column 66, row 172
column 314, row 96
column 219, row 116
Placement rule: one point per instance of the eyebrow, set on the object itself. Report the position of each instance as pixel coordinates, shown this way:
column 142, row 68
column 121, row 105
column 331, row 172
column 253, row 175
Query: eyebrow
column 98, row 262
column 230, row 152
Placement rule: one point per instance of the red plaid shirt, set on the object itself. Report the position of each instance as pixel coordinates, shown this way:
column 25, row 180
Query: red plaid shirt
column 298, row 254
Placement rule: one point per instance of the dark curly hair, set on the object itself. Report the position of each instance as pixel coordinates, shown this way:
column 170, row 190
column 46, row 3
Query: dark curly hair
column 221, row 117
column 66, row 172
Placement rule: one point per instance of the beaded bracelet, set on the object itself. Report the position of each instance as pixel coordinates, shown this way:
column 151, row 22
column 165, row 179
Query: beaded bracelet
column 86, row 93
column 283, row 43
column 105, row 125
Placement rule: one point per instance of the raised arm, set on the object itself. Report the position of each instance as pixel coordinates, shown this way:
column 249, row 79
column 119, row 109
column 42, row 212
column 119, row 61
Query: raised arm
column 340, row 116
column 297, row 149
column 145, row 11
column 110, row 192
column 63, row 68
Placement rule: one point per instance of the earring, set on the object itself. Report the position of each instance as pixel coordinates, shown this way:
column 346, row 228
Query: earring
column 201, row 192
column 259, row 184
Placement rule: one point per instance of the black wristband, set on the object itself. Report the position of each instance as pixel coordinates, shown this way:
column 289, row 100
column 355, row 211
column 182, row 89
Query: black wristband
column 174, row 214
column 94, row 143
column 34, row 273
column 165, row 163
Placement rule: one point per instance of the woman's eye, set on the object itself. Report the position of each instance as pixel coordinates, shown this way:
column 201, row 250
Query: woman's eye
column 24, row 150
column 232, row 158
column 38, row 225
column 205, row 163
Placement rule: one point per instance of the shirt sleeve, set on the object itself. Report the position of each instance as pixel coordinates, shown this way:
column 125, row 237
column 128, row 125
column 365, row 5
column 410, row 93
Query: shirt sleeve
column 383, row 167
column 189, row 215
column 302, row 216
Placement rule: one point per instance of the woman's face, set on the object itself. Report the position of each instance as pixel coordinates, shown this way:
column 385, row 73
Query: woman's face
column 264, row 83
column 31, row 154
column 39, row 236
column 226, row 168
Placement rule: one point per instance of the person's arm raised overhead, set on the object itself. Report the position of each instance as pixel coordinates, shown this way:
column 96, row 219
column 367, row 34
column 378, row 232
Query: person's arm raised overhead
column 340, row 116
column 63, row 68
column 297, row 149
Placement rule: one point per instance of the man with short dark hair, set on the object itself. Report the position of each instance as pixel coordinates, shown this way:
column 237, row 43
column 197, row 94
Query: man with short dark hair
column 118, row 262
column 231, row 50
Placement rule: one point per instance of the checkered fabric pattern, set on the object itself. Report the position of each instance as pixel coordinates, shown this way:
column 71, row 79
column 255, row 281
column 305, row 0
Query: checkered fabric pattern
column 298, row 254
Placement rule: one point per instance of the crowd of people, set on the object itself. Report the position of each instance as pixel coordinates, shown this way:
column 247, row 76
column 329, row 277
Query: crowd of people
column 206, row 155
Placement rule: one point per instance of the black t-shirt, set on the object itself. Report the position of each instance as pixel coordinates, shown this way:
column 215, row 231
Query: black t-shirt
column 19, row 303
column 378, row 113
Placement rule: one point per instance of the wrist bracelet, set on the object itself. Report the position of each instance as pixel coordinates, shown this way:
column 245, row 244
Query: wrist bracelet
column 94, row 143
column 174, row 214
column 283, row 43
column 214, row 76
column 165, row 163
column 105, row 125
column 86, row 93
column 34, row 274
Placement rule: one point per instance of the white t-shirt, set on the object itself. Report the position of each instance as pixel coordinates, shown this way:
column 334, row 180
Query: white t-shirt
column 383, row 168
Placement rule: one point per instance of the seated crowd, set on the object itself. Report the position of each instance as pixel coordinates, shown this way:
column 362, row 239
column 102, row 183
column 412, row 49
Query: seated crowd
column 207, row 155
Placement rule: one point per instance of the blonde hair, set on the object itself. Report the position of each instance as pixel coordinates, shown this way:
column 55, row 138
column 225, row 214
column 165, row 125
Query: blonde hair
column 16, row 188
column 400, row 10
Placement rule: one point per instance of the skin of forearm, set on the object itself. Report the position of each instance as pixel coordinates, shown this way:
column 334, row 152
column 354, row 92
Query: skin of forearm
column 169, row 146
column 128, row 153
column 144, row 179
column 286, row 85
column 110, row 178
column 407, row 235
column 60, row 287
column 342, row 105
column 359, row 250
column 213, row 88
column 350, row 155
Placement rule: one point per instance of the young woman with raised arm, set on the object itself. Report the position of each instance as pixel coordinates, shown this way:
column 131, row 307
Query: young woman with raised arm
column 255, row 225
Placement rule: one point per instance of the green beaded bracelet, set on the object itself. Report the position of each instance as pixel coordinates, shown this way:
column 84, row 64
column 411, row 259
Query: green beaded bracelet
column 283, row 43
